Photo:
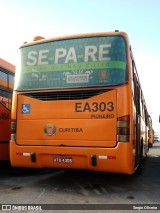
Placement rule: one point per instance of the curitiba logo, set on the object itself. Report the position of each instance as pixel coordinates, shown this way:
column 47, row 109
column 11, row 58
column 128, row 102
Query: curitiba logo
column 50, row 129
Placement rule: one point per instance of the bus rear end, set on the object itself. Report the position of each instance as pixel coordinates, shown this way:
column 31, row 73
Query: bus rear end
column 74, row 113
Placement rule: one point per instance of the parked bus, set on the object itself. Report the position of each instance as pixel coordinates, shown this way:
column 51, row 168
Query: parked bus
column 78, row 104
column 7, row 73
column 5, row 126
column 150, row 133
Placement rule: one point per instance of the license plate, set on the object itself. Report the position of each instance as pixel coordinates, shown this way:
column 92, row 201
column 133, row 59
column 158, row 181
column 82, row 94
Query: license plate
column 63, row 159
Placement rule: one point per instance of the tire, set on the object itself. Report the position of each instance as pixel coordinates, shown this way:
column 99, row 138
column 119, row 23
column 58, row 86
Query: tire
column 140, row 166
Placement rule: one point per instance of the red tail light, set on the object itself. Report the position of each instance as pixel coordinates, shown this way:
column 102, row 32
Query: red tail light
column 123, row 128
column 13, row 130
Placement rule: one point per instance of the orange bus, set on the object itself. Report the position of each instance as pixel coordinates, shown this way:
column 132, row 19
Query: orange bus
column 7, row 72
column 78, row 104
column 150, row 133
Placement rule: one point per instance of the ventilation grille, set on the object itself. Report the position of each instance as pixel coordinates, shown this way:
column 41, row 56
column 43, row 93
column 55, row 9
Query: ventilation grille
column 65, row 95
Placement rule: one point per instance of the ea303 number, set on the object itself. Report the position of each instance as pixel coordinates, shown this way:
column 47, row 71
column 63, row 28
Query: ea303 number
column 94, row 106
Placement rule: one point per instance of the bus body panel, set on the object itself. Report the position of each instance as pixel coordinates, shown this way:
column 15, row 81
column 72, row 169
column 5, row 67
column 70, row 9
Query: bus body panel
column 107, row 159
column 65, row 124
column 79, row 146
column 5, row 121
column 3, row 83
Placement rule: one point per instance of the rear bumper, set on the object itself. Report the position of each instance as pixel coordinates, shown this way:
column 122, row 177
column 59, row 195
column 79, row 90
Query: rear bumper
column 117, row 159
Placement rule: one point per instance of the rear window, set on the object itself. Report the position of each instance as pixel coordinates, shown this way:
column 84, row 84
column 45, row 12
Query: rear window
column 72, row 63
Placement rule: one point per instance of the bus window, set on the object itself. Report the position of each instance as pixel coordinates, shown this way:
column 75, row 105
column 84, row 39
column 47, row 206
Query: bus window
column 7, row 72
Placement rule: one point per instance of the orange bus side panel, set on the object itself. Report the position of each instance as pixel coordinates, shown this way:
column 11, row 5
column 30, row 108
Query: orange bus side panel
column 5, row 121
column 3, row 83
column 4, row 151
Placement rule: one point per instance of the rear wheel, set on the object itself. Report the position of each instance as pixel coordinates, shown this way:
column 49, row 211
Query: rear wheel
column 140, row 164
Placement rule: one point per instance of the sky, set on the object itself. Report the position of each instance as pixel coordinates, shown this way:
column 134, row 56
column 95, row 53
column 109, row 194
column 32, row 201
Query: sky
column 21, row 20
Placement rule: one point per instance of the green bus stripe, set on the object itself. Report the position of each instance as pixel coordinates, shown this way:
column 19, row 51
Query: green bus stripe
column 76, row 66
